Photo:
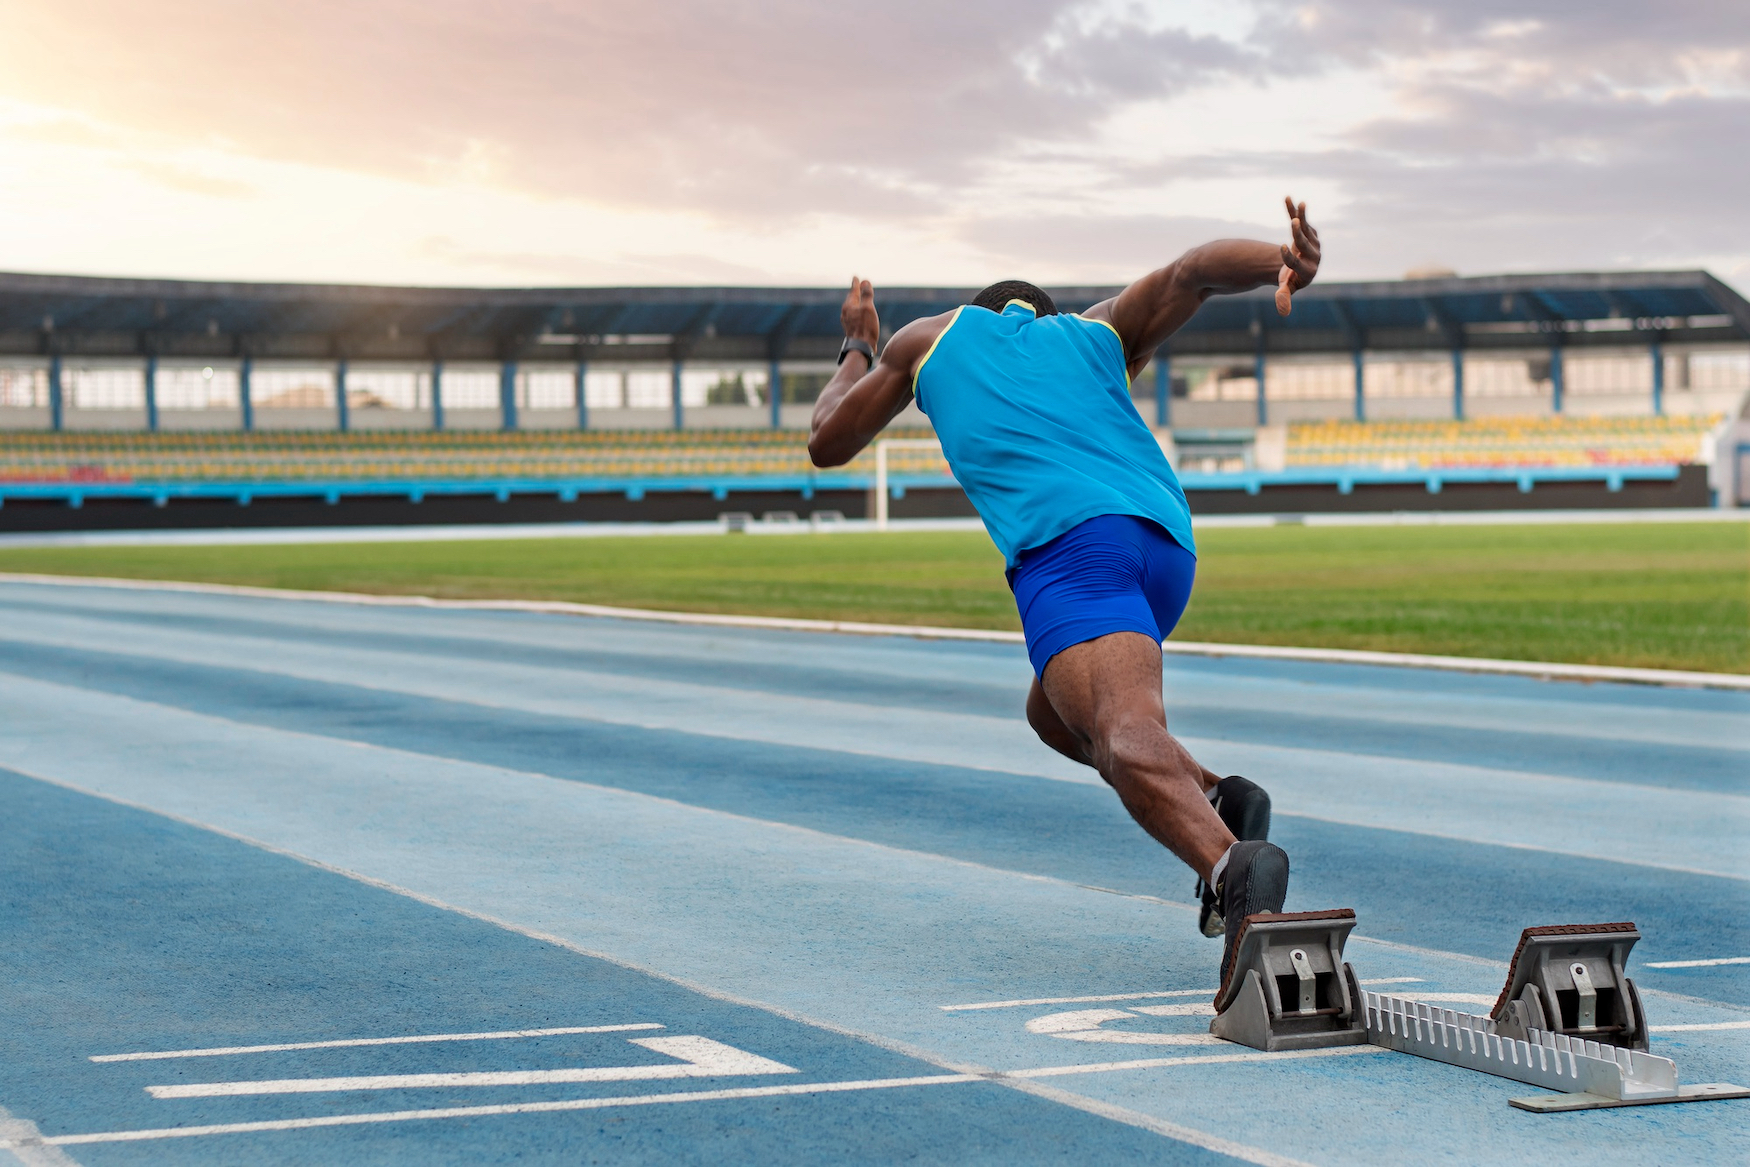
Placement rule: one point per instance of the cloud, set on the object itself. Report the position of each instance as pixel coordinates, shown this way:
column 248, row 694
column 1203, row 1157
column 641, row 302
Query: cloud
column 1494, row 134
column 192, row 181
column 1101, row 249
column 756, row 110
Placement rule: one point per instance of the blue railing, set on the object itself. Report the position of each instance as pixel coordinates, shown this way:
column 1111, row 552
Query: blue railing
column 1345, row 479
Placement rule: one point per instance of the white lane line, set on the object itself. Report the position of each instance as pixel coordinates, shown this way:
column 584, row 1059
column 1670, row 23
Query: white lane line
column 1192, row 1060
column 344, row 1043
column 21, row 1137
column 1343, row 788
column 1076, row 1000
column 292, row 1124
column 1129, row 996
column 1711, row 1025
column 700, row 1058
column 1699, row 963
column 1184, row 1134
column 1540, row 669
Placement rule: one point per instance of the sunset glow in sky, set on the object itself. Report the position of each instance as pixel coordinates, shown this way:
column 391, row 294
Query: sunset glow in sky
column 792, row 142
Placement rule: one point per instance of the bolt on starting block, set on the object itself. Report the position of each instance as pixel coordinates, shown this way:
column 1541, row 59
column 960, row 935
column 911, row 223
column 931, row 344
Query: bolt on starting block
column 1568, row 1019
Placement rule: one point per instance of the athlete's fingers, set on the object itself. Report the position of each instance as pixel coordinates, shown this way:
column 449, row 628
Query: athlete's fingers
column 1284, row 287
column 1302, row 241
column 1303, row 269
column 1306, row 254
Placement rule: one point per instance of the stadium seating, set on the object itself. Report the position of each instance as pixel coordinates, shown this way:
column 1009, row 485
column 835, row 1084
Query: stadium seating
column 93, row 458
column 448, row 456
column 1500, row 442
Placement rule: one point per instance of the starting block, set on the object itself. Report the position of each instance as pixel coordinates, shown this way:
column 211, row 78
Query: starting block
column 1568, row 1019
column 1569, row 979
column 1289, row 987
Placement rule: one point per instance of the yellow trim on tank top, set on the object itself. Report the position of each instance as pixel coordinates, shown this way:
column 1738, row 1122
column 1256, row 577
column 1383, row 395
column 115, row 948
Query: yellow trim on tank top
column 1114, row 329
column 918, row 369
column 1025, row 305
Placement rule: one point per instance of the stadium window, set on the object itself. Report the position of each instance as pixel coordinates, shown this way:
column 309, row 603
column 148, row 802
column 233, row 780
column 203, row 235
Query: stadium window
column 605, row 389
column 722, row 387
column 292, row 388
column 649, row 389
column 547, row 388
column 205, row 387
column 471, row 387
column 105, row 388
column 1718, row 370
column 1607, row 373
column 24, row 388
column 1416, row 376
column 380, row 388
column 803, row 388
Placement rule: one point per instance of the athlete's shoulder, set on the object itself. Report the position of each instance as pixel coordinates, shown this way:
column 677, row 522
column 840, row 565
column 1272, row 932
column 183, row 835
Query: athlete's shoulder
column 1096, row 323
column 914, row 344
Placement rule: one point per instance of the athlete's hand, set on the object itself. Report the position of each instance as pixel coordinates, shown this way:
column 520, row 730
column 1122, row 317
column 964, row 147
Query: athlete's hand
column 1299, row 263
column 858, row 313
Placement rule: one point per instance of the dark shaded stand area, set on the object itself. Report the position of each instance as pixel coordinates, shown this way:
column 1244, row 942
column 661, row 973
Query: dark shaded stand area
column 1689, row 489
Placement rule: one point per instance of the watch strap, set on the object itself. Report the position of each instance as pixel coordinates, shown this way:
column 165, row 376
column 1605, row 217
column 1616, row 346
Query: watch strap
column 853, row 345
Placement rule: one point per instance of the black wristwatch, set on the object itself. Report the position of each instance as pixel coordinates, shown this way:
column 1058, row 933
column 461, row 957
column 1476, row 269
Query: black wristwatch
column 853, row 345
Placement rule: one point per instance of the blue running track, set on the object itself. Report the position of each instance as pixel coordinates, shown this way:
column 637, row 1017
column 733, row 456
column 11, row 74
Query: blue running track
column 494, row 886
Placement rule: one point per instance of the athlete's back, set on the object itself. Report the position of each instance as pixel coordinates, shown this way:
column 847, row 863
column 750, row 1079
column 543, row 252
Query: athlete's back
column 1035, row 417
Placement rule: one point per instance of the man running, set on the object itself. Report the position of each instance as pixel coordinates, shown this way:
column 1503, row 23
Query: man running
column 1034, row 414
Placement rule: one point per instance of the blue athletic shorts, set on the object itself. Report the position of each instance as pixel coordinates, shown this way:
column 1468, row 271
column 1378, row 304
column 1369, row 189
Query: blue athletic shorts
column 1112, row 573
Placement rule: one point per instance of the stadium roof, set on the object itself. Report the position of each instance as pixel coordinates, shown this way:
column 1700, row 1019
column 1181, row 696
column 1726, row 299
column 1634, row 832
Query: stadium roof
column 88, row 316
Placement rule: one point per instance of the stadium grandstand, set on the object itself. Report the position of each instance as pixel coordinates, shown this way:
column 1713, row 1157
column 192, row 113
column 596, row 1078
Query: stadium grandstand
column 167, row 403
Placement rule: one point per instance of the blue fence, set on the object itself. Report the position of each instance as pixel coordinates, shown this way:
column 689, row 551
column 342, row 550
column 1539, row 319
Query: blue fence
column 1345, row 479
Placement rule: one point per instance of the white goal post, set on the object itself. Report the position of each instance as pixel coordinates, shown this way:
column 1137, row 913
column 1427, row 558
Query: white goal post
column 881, row 448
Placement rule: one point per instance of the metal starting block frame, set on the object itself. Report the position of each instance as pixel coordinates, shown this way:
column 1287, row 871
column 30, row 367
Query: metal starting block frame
column 1568, row 979
column 1568, row 1019
column 1589, row 1075
column 1288, row 987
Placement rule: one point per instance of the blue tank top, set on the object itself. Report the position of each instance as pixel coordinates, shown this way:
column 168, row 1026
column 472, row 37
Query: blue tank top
column 1035, row 418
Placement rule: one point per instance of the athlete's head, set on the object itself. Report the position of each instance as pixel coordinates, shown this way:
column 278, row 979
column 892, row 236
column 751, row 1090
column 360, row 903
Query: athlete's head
column 997, row 296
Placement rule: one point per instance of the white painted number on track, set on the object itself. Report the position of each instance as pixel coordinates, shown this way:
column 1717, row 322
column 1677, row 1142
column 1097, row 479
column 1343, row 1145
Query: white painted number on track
column 1089, row 1025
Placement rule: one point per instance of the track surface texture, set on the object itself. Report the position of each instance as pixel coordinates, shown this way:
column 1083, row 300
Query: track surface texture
column 787, row 897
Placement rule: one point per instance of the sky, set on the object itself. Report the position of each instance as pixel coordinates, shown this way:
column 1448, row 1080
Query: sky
column 537, row 142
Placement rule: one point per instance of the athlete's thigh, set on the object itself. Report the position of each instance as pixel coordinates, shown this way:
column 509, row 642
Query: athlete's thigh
column 1099, row 682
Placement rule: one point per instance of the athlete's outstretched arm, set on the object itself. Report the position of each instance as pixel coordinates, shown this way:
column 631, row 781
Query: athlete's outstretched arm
column 1159, row 304
column 859, row 401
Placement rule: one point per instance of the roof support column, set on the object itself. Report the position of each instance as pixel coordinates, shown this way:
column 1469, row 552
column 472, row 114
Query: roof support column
column 775, row 392
column 245, row 393
column 1555, row 377
column 152, row 392
column 1163, row 387
column 342, row 410
column 1360, row 360
column 1258, row 370
column 582, row 394
column 57, row 403
column 437, row 395
column 507, row 394
column 1457, row 383
column 680, row 416
column 1656, row 353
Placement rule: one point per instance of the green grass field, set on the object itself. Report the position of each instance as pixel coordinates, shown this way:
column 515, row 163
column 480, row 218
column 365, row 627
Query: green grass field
column 1659, row 595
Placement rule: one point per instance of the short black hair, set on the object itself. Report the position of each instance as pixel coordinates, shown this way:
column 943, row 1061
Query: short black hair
column 997, row 297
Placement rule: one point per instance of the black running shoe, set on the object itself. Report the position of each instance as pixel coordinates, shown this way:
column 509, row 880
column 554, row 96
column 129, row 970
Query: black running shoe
column 1245, row 808
column 1255, row 880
